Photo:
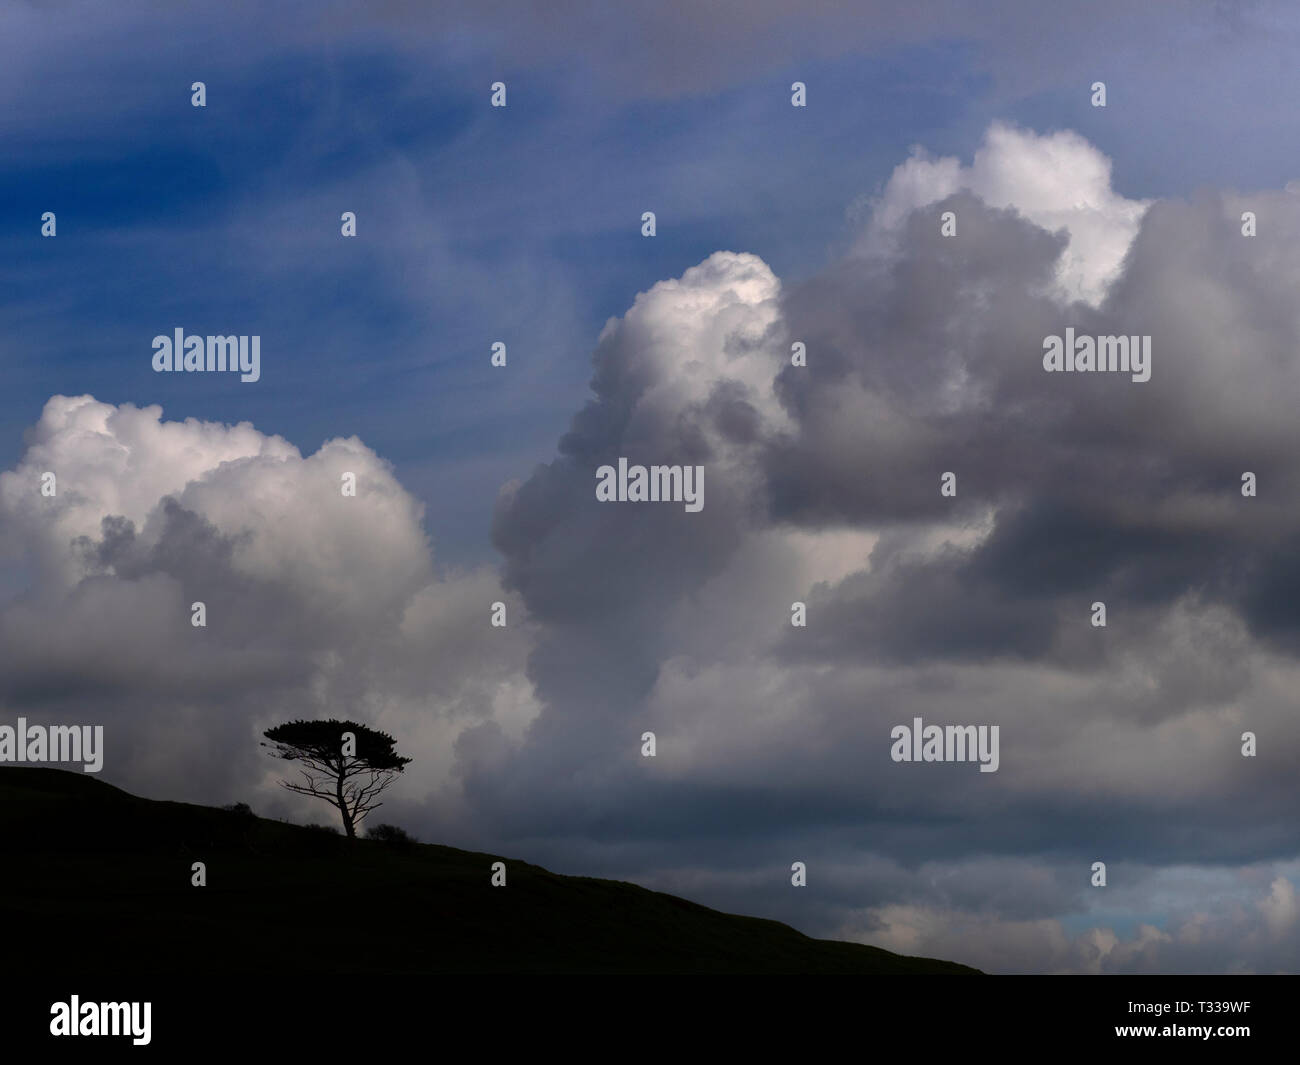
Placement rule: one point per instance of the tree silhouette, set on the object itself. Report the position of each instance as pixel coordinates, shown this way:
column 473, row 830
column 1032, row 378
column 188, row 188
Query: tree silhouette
column 349, row 774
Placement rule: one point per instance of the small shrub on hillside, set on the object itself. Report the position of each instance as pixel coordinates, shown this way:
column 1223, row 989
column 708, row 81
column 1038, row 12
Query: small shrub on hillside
column 392, row 836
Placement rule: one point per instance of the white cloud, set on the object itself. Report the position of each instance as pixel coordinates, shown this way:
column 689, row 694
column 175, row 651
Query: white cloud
column 1279, row 908
column 1226, row 938
column 1057, row 181
column 686, row 335
column 319, row 605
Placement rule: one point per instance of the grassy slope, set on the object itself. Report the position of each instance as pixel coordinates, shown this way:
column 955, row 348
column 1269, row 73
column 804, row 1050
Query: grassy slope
column 90, row 873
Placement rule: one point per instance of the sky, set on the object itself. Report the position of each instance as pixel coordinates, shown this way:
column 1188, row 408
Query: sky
column 775, row 224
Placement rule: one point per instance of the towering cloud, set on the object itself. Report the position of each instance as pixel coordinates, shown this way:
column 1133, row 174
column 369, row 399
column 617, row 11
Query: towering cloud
column 924, row 356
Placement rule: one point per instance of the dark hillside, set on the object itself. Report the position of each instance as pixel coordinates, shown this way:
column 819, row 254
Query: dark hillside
column 95, row 880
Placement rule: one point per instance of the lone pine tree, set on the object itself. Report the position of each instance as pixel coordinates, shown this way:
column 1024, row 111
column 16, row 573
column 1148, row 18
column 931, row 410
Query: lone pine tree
column 346, row 764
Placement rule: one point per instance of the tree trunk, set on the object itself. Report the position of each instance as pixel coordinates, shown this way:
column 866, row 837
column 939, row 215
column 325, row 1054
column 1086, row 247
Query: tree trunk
column 343, row 809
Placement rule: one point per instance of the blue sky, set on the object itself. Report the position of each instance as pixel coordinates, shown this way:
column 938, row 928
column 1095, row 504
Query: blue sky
column 519, row 224
column 474, row 225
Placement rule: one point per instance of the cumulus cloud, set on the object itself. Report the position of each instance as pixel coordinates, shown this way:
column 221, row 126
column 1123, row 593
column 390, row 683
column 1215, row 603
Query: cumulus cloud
column 924, row 356
column 317, row 604
column 1058, row 182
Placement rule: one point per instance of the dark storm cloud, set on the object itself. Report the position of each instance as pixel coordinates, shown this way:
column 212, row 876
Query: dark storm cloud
column 1072, row 488
column 1107, row 489
column 875, row 427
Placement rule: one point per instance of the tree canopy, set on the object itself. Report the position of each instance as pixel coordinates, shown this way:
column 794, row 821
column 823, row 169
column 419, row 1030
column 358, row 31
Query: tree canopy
column 345, row 763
